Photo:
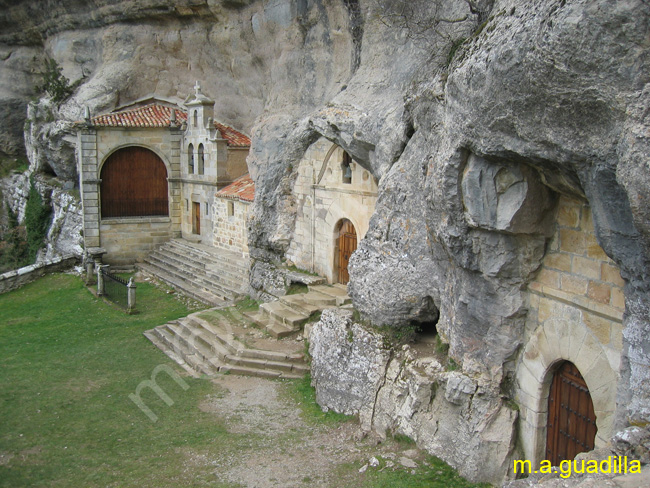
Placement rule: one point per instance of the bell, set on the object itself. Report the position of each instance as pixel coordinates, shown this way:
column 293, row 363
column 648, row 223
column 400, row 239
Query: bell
column 348, row 172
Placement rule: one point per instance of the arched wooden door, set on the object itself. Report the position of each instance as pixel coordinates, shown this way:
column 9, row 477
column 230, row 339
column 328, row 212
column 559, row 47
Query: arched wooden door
column 347, row 244
column 134, row 184
column 571, row 426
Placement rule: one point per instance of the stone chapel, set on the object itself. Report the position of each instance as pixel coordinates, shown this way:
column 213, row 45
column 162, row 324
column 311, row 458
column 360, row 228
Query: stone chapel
column 150, row 171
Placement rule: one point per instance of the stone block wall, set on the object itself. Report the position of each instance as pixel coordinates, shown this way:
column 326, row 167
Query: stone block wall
column 576, row 306
column 230, row 231
column 322, row 200
column 129, row 240
column 12, row 280
column 194, row 192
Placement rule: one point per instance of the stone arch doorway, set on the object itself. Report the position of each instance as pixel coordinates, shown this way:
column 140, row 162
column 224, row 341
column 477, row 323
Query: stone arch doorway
column 346, row 244
column 571, row 425
column 134, row 184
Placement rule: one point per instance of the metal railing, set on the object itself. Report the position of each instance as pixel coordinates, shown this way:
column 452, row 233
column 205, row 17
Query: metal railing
column 116, row 289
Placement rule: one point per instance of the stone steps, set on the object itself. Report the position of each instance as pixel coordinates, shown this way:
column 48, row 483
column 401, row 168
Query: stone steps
column 193, row 292
column 194, row 275
column 288, row 315
column 207, row 274
column 204, row 348
column 211, row 254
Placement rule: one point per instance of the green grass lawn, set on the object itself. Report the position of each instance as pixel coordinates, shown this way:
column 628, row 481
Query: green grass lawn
column 68, row 362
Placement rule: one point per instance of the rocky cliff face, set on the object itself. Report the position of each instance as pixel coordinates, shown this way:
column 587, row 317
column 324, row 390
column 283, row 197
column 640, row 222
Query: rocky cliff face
column 473, row 125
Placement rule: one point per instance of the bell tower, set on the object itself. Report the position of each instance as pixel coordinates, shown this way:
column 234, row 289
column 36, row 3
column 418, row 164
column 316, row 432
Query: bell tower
column 199, row 109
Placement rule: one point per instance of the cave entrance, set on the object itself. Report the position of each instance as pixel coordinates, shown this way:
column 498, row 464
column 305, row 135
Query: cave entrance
column 426, row 332
column 346, row 244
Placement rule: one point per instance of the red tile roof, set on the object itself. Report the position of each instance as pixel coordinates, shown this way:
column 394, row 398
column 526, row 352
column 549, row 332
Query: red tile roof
column 155, row 115
column 152, row 115
column 234, row 137
column 242, row 188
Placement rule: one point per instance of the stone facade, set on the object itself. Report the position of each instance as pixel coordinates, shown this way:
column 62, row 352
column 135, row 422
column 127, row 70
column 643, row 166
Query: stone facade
column 229, row 218
column 576, row 307
column 200, row 156
column 207, row 164
column 127, row 240
column 322, row 201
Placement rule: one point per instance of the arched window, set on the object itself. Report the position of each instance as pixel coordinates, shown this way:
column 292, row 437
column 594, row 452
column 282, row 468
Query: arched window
column 346, row 168
column 190, row 159
column 201, row 160
column 196, row 118
column 134, row 184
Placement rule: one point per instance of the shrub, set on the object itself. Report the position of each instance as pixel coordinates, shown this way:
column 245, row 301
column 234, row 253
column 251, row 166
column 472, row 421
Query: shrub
column 37, row 220
column 13, row 245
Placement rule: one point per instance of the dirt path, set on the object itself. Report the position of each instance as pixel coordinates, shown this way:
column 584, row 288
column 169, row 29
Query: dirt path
column 285, row 450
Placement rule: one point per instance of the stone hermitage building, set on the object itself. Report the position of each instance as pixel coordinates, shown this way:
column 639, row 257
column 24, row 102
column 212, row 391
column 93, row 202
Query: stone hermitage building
column 151, row 171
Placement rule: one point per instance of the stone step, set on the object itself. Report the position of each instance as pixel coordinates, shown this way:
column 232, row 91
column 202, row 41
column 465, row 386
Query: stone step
column 208, row 262
column 309, row 302
column 236, row 348
column 153, row 336
column 206, row 349
column 178, row 346
column 228, row 273
column 208, row 254
column 197, row 281
column 195, row 276
column 283, row 314
column 185, row 287
column 277, row 329
column 337, row 291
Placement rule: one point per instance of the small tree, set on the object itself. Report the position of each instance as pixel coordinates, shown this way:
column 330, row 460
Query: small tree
column 55, row 84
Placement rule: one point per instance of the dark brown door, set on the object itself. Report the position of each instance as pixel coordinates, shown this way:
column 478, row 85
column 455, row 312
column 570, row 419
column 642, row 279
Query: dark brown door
column 571, row 426
column 347, row 245
column 196, row 218
column 133, row 184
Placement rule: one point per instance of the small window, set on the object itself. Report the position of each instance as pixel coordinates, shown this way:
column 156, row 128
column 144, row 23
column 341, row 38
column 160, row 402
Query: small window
column 231, row 209
column 207, row 209
column 346, row 168
column 190, row 159
column 196, row 118
column 187, row 205
column 201, row 159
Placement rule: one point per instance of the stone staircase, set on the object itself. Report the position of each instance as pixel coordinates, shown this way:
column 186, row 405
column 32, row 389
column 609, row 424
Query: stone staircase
column 221, row 340
column 209, row 275
column 205, row 346
column 289, row 313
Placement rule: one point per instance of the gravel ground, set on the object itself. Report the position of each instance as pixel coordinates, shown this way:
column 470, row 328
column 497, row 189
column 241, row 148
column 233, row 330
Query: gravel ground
column 289, row 451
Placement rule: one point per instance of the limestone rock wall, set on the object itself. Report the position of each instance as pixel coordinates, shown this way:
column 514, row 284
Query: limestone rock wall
column 64, row 237
column 448, row 413
column 475, row 117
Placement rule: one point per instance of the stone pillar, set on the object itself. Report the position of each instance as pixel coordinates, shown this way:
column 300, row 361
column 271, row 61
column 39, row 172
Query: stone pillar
column 174, row 180
column 100, row 279
column 131, row 296
column 88, row 166
column 93, row 262
column 90, row 270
